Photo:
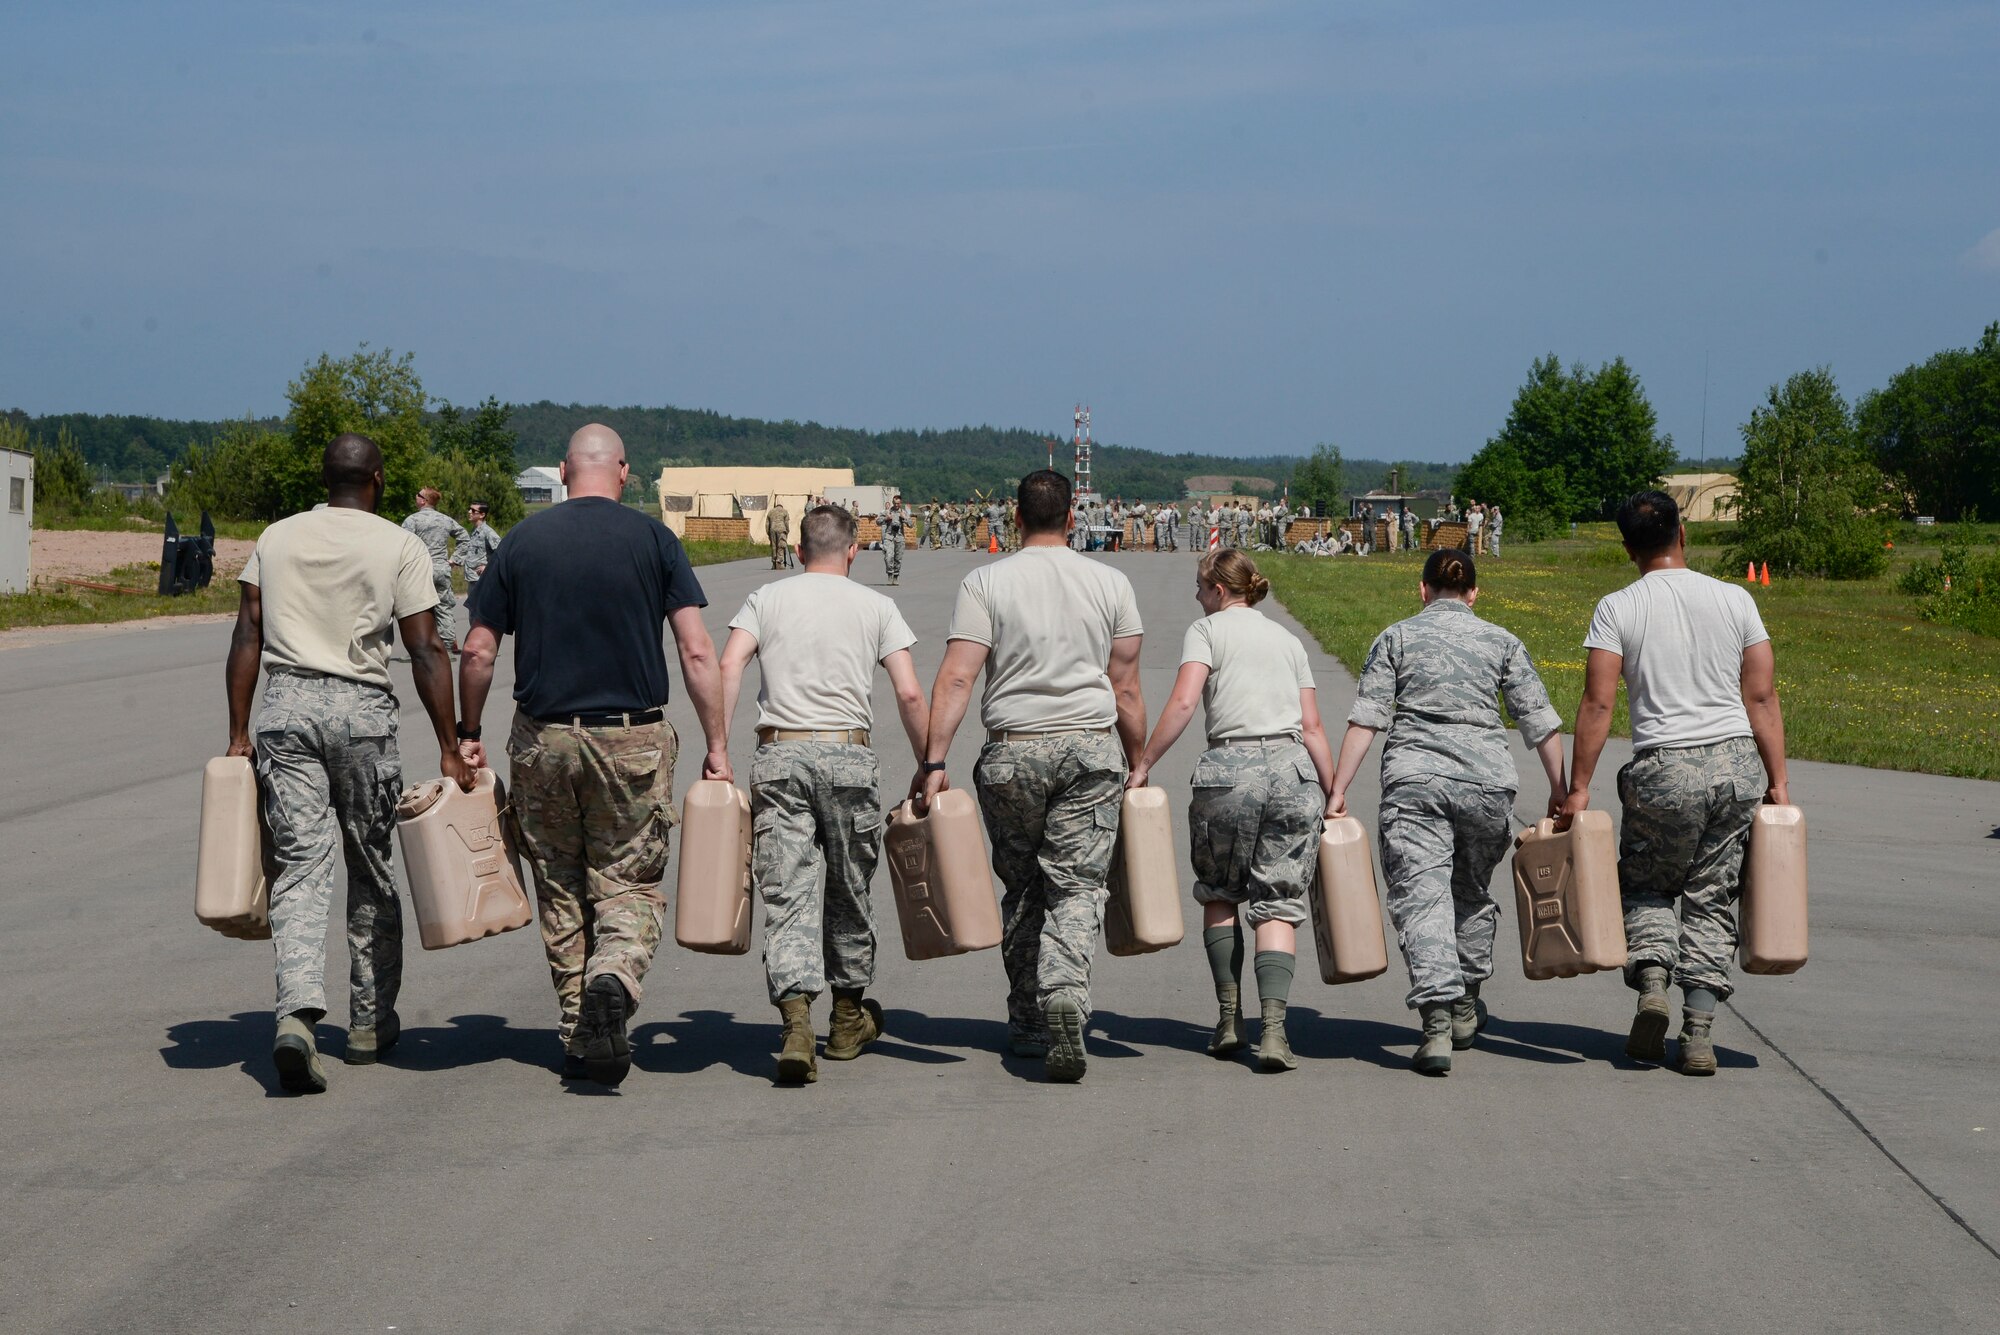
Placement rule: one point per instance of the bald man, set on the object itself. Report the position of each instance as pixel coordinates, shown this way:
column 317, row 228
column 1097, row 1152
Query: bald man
column 319, row 595
column 583, row 588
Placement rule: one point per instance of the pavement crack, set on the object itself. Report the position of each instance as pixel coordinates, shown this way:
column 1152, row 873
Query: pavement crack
column 1964, row 1224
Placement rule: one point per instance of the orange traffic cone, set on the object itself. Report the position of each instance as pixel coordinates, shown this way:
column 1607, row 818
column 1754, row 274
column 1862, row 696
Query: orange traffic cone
column 992, row 543
column 1750, row 573
column 1766, row 581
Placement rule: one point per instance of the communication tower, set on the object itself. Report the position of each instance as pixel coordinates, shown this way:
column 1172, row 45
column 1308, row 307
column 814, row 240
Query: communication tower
column 1084, row 486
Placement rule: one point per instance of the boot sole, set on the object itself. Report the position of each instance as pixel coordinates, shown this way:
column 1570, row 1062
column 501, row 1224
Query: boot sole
column 1431, row 1065
column 1702, row 1066
column 294, row 1061
column 1271, row 1061
column 607, row 1055
column 1066, row 1061
column 797, row 1071
column 1648, row 1039
column 848, row 1054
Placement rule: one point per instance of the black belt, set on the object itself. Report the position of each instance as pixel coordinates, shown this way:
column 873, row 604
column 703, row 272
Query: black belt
column 636, row 719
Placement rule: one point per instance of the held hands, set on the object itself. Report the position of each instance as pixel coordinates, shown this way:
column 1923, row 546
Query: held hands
column 715, row 765
column 1336, row 804
column 1137, row 778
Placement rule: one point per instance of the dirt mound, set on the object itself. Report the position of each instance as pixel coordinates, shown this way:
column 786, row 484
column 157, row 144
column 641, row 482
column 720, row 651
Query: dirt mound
column 84, row 554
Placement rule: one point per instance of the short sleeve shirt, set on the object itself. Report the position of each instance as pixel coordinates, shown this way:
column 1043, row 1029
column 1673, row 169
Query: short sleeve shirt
column 1256, row 669
column 1682, row 635
column 332, row 582
column 1049, row 615
column 585, row 588
column 819, row 639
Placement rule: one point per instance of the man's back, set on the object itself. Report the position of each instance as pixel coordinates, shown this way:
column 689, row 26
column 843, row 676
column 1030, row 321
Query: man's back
column 585, row 587
column 1682, row 635
column 1049, row 615
column 332, row 582
column 819, row 639
column 435, row 531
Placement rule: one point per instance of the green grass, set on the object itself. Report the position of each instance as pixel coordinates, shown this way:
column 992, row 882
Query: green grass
column 1864, row 680
column 248, row 529
column 714, row 553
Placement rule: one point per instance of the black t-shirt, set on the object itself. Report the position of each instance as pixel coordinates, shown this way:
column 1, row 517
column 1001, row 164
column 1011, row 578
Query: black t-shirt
column 584, row 588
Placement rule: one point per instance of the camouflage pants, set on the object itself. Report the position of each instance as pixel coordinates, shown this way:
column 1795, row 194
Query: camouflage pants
column 592, row 811
column 447, row 606
column 815, row 806
column 1441, row 840
column 892, row 557
column 329, row 774
column 1253, row 829
column 1687, row 823
column 1051, row 810
column 780, row 551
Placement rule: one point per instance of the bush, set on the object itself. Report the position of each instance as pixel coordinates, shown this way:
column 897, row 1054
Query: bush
column 1805, row 488
column 1962, row 587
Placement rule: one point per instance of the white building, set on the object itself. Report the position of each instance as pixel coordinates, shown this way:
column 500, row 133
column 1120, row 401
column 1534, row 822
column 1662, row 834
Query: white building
column 17, row 520
column 541, row 486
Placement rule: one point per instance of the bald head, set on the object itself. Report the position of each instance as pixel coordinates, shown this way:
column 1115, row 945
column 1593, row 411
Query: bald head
column 595, row 462
column 352, row 471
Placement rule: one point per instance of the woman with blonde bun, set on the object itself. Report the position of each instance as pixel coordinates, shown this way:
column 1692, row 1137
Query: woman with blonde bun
column 1260, row 792
column 1448, row 781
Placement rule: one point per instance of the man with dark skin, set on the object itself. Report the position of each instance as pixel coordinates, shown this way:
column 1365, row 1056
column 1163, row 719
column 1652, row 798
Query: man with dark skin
column 319, row 596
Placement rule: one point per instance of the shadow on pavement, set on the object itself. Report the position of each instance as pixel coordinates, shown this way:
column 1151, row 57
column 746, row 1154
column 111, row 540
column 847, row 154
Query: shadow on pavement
column 1546, row 1041
column 469, row 1040
column 243, row 1041
column 1315, row 1036
column 1153, row 1031
column 697, row 1040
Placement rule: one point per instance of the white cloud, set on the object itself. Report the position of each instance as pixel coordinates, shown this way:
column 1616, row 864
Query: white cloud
column 1985, row 253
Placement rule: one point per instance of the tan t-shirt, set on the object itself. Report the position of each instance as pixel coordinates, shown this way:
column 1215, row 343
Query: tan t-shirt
column 1256, row 669
column 819, row 638
column 1049, row 614
column 333, row 581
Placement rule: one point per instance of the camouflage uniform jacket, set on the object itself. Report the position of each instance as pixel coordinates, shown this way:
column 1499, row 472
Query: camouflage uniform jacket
column 894, row 525
column 435, row 531
column 1432, row 681
column 476, row 549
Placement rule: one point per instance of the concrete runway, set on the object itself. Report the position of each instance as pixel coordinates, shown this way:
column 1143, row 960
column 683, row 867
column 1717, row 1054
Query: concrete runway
column 1837, row 1175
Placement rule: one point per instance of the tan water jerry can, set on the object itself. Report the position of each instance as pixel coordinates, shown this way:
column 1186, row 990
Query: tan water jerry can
column 712, row 901
column 1566, row 896
column 232, row 892
column 1143, row 912
column 1347, row 913
column 1771, row 916
column 942, row 879
column 465, row 877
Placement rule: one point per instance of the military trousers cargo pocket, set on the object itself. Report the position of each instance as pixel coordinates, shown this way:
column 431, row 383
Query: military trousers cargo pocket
column 856, row 774
column 637, row 767
column 769, row 767
column 1214, row 776
column 1307, row 771
column 1105, row 816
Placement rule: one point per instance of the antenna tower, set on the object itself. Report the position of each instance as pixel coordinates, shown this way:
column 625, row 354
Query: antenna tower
column 1082, row 443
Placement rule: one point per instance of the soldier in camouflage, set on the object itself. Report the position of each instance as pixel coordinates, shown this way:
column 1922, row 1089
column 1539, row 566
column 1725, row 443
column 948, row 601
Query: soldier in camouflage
column 585, row 587
column 319, row 596
column 1708, row 743
column 895, row 526
column 778, row 528
column 1448, row 786
column 1058, row 638
column 481, row 541
column 1260, row 792
column 437, row 530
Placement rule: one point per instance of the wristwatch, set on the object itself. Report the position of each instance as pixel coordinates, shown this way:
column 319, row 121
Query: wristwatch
column 933, row 767
column 466, row 734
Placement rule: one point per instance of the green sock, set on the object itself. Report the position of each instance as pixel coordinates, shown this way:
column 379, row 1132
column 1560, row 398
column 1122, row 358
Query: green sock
column 1274, row 974
column 1225, row 954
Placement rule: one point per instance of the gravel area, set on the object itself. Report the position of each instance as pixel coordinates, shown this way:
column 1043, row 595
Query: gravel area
column 85, row 554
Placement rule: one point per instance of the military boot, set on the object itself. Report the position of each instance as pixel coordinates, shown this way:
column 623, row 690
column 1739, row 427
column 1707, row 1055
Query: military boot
column 367, row 1043
column 856, row 1023
column 1229, row 1022
column 1066, row 1061
column 1434, row 1056
column 1274, row 1052
column 1468, row 1018
column 1648, row 1040
column 607, row 1054
column 796, row 1065
column 1697, row 1050
column 297, row 1059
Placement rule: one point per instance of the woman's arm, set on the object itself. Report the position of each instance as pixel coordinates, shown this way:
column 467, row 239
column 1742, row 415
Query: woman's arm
column 1173, row 721
column 1314, row 733
column 1353, row 750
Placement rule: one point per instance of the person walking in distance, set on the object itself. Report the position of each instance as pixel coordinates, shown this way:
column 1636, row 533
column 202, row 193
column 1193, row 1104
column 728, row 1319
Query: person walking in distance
column 437, row 531
column 1260, row 792
column 320, row 593
column 1708, row 745
column 1058, row 637
column 476, row 551
column 895, row 524
column 814, row 785
column 778, row 527
column 1494, row 523
column 1448, row 786
column 583, row 587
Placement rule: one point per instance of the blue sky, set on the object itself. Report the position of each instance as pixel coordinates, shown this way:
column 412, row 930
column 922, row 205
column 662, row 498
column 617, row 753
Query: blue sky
column 1241, row 227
